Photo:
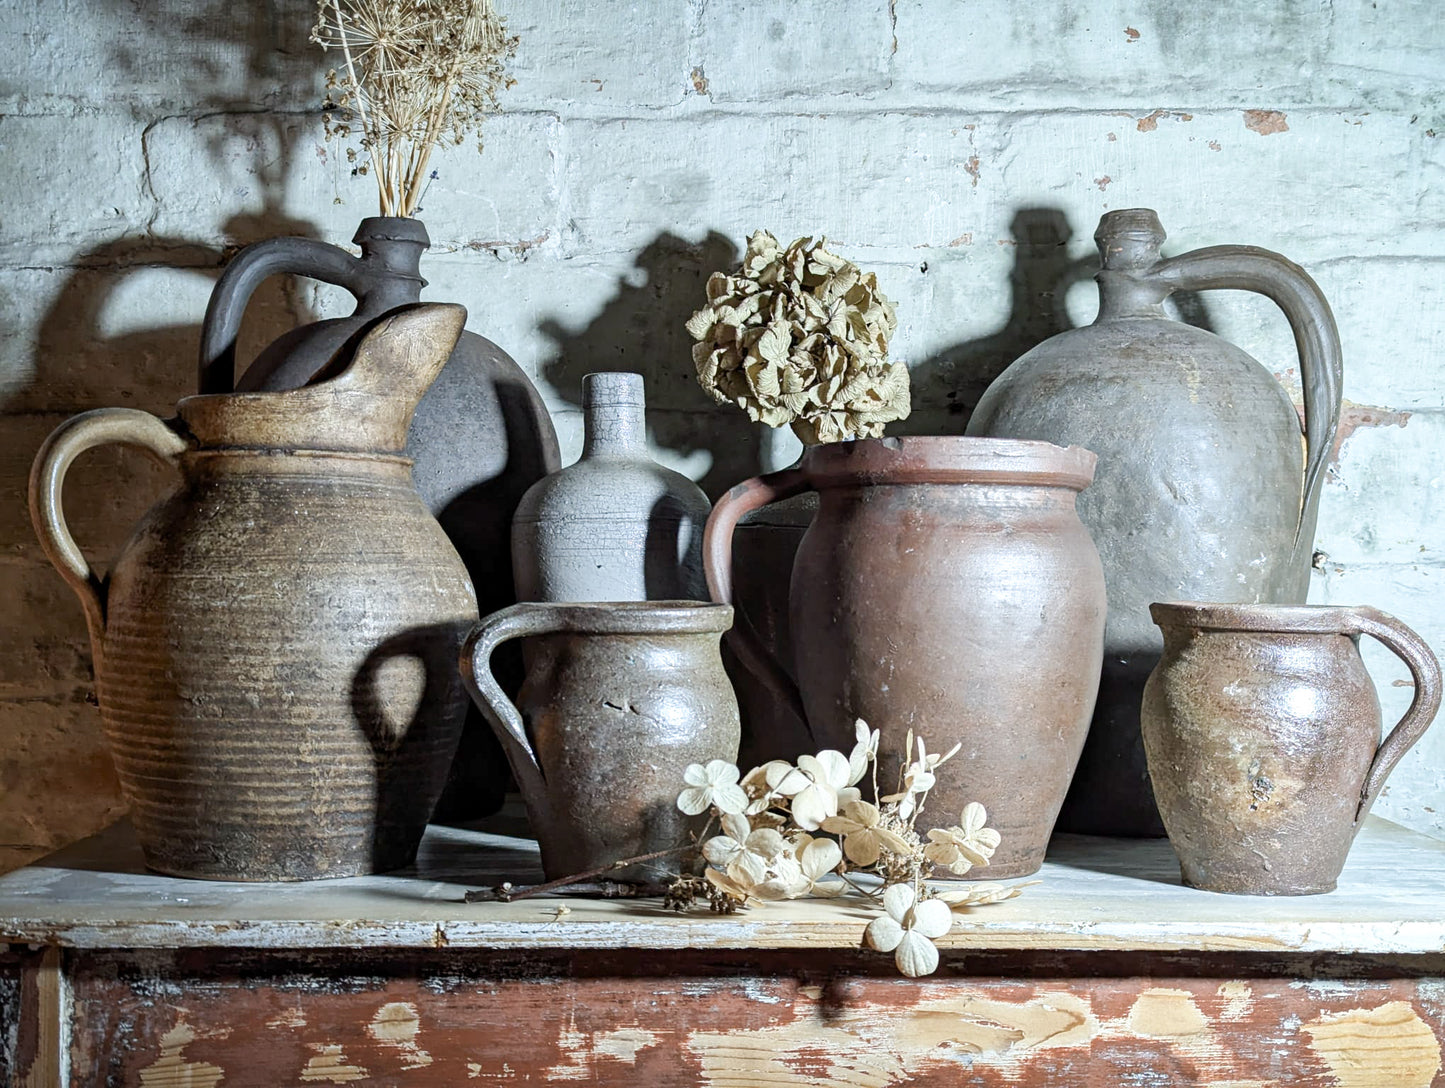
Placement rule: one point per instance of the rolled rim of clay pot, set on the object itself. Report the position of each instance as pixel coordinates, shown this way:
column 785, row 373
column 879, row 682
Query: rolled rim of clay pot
column 1284, row 618
column 640, row 617
column 948, row 459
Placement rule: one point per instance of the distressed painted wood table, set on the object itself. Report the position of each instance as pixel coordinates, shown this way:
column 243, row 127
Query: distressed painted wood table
column 1107, row 973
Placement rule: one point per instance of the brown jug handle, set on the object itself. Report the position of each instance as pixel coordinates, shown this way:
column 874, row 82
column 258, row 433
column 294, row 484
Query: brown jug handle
column 1425, row 670
column 103, row 426
column 518, row 621
column 717, row 558
column 1317, row 340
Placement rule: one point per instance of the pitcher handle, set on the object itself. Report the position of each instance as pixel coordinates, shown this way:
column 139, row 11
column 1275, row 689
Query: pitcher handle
column 1317, row 341
column 717, row 558
column 1425, row 669
column 517, row 621
column 103, row 426
column 248, row 269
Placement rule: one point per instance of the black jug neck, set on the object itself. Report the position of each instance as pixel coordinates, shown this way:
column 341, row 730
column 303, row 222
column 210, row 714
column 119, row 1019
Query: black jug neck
column 1129, row 241
column 391, row 249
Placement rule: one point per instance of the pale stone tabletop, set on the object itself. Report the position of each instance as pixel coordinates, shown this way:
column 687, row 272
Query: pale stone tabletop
column 1095, row 894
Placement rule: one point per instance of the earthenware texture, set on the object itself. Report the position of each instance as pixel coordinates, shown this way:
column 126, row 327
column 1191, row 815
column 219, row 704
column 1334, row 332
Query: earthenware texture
column 945, row 586
column 1262, row 731
column 619, row 699
column 275, row 646
column 480, row 437
column 1198, row 492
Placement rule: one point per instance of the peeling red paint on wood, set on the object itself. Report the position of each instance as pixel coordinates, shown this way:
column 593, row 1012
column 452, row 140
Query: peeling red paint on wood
column 752, row 1019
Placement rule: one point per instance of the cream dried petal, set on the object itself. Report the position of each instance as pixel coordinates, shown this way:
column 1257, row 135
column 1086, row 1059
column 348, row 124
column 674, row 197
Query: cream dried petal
column 916, row 956
column 884, row 933
column 931, row 918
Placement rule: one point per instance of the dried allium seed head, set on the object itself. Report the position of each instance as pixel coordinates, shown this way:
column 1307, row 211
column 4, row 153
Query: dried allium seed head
column 419, row 72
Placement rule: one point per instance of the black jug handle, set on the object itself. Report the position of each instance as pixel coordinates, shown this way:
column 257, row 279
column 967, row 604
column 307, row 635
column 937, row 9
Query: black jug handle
column 255, row 263
column 1317, row 340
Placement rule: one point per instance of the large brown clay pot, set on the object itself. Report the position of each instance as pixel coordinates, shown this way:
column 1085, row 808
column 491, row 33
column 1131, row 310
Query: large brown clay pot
column 618, row 700
column 275, row 646
column 1262, row 731
column 947, row 586
column 1204, row 489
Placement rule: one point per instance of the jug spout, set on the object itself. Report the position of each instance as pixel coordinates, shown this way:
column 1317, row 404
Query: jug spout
column 362, row 401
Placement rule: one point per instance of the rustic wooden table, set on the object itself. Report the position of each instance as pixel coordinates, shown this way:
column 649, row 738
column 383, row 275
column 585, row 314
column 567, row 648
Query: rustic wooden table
column 1107, row 973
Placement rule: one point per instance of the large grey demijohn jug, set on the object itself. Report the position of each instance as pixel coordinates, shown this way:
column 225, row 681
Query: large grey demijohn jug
column 1202, row 491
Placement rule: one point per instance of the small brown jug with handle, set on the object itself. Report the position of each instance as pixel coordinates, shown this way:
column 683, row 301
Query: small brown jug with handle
column 1262, row 731
column 275, row 646
column 619, row 699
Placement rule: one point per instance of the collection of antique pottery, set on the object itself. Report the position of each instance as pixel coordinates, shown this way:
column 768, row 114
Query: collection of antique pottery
column 277, row 646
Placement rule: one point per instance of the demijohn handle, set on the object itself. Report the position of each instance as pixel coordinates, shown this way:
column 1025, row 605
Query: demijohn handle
column 1425, row 669
column 103, row 426
column 717, row 558
column 247, row 270
column 1317, row 340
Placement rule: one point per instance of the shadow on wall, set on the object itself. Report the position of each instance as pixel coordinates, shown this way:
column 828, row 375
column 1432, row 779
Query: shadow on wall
column 55, row 774
column 641, row 329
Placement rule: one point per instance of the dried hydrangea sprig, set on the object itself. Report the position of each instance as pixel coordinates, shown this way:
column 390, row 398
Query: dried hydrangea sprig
column 415, row 73
column 766, row 851
column 799, row 336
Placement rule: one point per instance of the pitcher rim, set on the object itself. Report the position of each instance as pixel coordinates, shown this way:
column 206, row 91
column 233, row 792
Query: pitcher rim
column 1279, row 618
column 945, row 459
column 664, row 617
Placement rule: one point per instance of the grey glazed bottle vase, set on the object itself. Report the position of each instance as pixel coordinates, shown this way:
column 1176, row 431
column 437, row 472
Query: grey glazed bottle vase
column 480, row 437
column 618, row 700
column 615, row 526
column 1201, row 490
column 1263, row 733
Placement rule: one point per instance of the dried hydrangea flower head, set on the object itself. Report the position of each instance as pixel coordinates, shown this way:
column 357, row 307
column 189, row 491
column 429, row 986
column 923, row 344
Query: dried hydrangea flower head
column 415, row 73
column 799, row 336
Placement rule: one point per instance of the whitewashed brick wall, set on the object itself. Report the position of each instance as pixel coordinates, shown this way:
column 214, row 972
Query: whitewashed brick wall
column 964, row 150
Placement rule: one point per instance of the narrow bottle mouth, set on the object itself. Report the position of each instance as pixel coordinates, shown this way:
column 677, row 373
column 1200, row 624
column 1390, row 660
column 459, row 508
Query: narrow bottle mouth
column 612, row 389
column 944, row 459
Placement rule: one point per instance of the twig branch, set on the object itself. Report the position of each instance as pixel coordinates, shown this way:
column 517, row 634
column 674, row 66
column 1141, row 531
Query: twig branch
column 506, row 892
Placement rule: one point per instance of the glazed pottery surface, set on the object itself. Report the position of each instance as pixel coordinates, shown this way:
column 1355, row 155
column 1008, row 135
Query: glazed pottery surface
column 1198, row 491
column 619, row 699
column 1262, row 732
column 615, row 526
column 275, row 646
column 480, row 437
column 947, row 586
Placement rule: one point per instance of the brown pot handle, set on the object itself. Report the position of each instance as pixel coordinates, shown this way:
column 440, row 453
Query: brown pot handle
column 1425, row 670
column 103, row 426
column 717, row 558
column 517, row 621
column 1317, row 341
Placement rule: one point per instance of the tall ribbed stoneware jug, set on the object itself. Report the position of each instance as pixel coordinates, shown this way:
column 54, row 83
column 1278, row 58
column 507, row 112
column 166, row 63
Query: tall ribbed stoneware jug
column 1203, row 490
column 480, row 437
column 275, row 646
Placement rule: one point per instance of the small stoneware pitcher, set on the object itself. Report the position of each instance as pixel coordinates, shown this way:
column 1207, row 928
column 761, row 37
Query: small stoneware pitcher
column 619, row 699
column 1262, row 731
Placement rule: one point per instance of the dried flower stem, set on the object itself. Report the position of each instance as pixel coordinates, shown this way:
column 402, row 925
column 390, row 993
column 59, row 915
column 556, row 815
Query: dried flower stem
column 596, row 889
column 505, row 893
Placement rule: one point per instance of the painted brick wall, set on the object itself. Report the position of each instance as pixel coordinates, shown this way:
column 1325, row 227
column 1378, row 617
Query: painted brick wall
column 963, row 150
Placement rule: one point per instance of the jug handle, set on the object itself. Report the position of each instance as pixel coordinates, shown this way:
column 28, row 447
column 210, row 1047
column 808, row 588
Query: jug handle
column 1424, row 668
column 1317, row 340
column 248, row 269
column 103, row 426
column 717, row 558
column 517, row 621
